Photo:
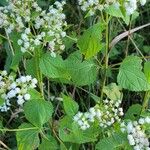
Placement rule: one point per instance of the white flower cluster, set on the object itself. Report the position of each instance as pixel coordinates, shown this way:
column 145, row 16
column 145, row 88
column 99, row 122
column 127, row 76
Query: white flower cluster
column 136, row 134
column 131, row 6
column 37, row 27
column 105, row 115
column 96, row 5
column 15, row 89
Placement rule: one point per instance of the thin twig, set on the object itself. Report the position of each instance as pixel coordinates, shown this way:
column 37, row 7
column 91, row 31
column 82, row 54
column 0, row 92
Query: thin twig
column 4, row 145
column 125, row 34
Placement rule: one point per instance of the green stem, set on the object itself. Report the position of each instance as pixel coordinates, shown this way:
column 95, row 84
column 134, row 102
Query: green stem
column 10, row 45
column 146, row 101
column 73, row 39
column 17, row 130
column 39, row 74
column 55, row 134
column 106, row 55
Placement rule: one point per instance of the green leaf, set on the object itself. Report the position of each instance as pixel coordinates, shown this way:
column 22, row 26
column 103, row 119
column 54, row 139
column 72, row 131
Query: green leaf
column 115, row 11
column 53, row 67
column 120, row 12
column 48, row 143
column 131, row 76
column 17, row 52
column 16, row 60
column 69, row 41
column 69, row 146
column 82, row 73
column 147, row 70
column 146, row 49
column 133, row 112
column 2, row 101
column 70, row 106
column 27, row 138
column 4, row 2
column 31, row 68
column 9, row 56
column 90, row 42
column 71, row 71
column 38, row 111
column 113, row 91
column 75, row 57
column 117, row 140
column 34, row 94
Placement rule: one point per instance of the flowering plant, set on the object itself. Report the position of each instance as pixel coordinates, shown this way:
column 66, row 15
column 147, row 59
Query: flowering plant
column 74, row 75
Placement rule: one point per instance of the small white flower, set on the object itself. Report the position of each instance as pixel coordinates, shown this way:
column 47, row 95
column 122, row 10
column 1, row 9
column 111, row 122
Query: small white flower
column 27, row 18
column 4, row 73
column 53, row 54
column 27, row 96
column 135, row 123
column 37, row 42
column 13, row 85
column 23, row 50
column 80, row 122
column 62, row 47
column 11, row 94
column 32, row 85
column 98, row 113
column 28, row 78
column 26, row 45
column 24, row 37
column 24, row 90
column 1, row 78
column 83, row 127
column 92, row 111
column 137, row 147
column 123, row 130
column 112, row 120
column 27, row 31
column 63, row 34
column 20, row 42
column 121, row 113
column 34, row 81
column 79, row 114
column 143, row 2
column 17, row 90
column 20, row 97
column 23, row 79
column 43, row 34
column 147, row 120
column 141, row 121
column 130, row 127
column 131, row 139
column 117, row 104
column 138, row 128
column 20, row 102
column 76, row 118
